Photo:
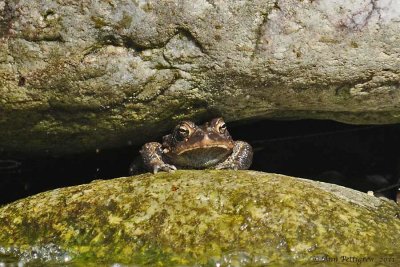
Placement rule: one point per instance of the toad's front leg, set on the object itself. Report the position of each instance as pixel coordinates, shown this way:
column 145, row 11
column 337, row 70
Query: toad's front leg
column 240, row 159
column 153, row 159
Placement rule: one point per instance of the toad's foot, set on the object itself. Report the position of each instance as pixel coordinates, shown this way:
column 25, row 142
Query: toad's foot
column 240, row 159
column 152, row 158
column 163, row 167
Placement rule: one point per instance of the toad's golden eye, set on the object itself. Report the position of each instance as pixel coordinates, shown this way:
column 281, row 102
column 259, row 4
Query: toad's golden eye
column 222, row 128
column 181, row 133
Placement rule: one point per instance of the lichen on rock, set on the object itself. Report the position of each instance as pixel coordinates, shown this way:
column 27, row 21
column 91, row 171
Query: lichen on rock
column 76, row 77
column 205, row 217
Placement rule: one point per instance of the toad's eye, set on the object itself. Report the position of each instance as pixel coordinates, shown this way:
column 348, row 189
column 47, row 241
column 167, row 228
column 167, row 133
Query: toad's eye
column 222, row 128
column 181, row 134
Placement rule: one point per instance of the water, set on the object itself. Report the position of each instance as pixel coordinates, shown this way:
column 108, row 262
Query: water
column 49, row 255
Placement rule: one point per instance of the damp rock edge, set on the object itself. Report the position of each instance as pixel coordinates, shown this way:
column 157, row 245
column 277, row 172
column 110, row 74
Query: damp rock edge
column 205, row 217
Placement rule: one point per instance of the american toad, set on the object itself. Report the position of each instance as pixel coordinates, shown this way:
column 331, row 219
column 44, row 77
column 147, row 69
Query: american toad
column 190, row 146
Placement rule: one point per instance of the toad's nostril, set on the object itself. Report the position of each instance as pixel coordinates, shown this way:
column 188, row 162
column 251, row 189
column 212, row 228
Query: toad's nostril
column 199, row 134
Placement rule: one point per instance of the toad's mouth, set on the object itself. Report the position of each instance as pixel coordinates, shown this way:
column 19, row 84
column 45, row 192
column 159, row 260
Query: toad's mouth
column 201, row 157
column 204, row 149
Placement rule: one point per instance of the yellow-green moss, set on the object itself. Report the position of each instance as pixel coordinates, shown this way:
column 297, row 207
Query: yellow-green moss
column 191, row 217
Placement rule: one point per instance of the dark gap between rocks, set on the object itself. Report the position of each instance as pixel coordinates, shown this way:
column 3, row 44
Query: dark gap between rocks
column 364, row 157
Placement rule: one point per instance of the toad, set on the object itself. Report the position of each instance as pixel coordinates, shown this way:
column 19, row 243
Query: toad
column 190, row 146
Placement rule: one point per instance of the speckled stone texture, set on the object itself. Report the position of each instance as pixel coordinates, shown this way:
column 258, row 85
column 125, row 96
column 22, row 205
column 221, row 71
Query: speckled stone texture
column 81, row 75
column 205, row 217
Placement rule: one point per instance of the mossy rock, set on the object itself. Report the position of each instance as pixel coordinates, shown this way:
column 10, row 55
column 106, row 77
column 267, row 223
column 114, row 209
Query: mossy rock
column 205, row 217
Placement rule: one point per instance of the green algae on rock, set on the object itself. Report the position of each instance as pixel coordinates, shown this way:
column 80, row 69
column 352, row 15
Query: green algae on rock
column 205, row 217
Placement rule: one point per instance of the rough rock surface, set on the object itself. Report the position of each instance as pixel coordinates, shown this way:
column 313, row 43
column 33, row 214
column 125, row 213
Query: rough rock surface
column 79, row 75
column 205, row 217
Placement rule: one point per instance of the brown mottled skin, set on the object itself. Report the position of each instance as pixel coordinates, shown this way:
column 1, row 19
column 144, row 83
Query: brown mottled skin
column 190, row 146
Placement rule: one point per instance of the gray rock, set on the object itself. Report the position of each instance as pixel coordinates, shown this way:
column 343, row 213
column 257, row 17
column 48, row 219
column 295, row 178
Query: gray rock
column 76, row 76
column 240, row 218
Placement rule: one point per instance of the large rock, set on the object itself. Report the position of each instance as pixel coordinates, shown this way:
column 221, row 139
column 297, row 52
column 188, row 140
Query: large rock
column 203, row 217
column 83, row 75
